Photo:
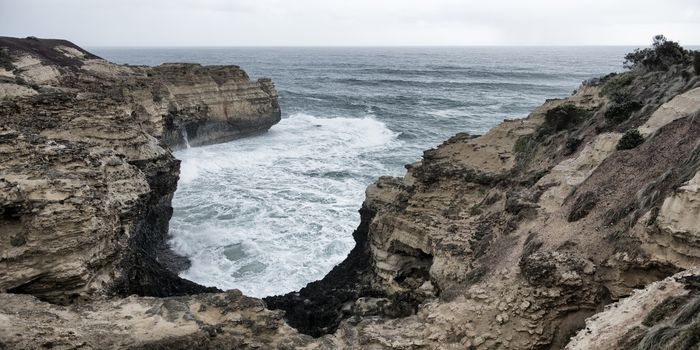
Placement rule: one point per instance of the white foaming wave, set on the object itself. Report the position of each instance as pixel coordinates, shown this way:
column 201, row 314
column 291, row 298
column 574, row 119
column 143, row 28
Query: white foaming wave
column 360, row 133
column 283, row 204
column 300, row 135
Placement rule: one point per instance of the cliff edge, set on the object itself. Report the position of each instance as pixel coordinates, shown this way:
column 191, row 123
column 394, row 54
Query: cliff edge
column 575, row 227
column 511, row 239
column 86, row 171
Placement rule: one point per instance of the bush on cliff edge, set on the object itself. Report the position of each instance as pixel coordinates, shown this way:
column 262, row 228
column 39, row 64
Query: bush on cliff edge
column 662, row 54
column 562, row 117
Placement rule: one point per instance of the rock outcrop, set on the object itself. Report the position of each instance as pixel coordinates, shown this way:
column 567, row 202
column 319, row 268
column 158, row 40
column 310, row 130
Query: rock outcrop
column 512, row 239
column 86, row 173
column 664, row 315
column 205, row 321
column 508, row 240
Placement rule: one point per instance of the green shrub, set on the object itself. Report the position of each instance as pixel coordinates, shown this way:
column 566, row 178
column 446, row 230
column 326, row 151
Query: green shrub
column 571, row 145
column 618, row 112
column 533, row 177
column 524, row 149
column 614, row 85
column 562, row 117
column 696, row 62
column 524, row 144
column 662, row 54
column 613, row 216
column 631, row 139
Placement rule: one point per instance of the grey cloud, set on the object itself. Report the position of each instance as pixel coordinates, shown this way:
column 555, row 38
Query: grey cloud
column 357, row 22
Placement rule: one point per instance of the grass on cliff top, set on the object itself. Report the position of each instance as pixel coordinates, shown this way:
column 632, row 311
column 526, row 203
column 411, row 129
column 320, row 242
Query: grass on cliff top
column 620, row 88
column 662, row 54
column 558, row 121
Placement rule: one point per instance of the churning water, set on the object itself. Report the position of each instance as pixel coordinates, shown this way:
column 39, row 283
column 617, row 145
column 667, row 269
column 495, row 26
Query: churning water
column 270, row 213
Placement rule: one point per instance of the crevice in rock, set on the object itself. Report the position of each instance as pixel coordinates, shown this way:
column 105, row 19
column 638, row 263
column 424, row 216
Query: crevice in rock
column 415, row 269
column 350, row 289
column 146, row 267
column 317, row 309
column 568, row 325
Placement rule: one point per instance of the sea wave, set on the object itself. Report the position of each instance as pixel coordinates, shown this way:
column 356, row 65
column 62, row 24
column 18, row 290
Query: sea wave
column 252, row 210
column 453, row 84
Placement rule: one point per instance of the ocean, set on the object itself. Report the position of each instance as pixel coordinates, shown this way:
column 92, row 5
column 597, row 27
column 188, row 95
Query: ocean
column 270, row 213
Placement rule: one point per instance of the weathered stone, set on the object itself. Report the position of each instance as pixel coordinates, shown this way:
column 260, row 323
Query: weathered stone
column 86, row 176
column 475, row 247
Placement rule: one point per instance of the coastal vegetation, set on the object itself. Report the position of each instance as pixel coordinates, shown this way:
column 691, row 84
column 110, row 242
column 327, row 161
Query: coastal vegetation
column 631, row 139
column 662, row 54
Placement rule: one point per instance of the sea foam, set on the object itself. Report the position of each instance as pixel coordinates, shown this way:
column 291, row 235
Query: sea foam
column 269, row 214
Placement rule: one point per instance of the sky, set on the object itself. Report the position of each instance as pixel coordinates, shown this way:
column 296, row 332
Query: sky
column 352, row 22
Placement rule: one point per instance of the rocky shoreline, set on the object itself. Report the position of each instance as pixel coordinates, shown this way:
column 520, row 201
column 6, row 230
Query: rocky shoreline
column 521, row 238
column 87, row 173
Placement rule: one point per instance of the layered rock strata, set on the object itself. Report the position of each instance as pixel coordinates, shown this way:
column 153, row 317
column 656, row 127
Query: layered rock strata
column 512, row 239
column 86, row 171
column 205, row 321
column 664, row 315
column 508, row 240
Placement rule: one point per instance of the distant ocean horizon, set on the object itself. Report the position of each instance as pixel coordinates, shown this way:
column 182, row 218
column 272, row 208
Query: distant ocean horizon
column 186, row 47
column 270, row 213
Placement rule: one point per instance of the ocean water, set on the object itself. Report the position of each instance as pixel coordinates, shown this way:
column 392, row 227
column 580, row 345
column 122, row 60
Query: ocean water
column 270, row 213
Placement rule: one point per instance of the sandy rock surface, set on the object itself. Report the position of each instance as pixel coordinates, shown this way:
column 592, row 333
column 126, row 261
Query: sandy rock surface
column 516, row 239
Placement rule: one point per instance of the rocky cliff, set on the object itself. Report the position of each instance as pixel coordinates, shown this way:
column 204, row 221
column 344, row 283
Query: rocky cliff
column 508, row 240
column 513, row 238
column 86, row 172
column 664, row 315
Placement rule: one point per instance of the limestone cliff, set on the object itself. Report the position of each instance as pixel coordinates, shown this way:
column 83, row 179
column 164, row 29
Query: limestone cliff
column 205, row 321
column 508, row 240
column 664, row 315
column 86, row 174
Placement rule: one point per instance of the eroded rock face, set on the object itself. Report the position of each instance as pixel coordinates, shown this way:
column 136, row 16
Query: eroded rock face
column 86, row 171
column 206, row 321
column 512, row 239
column 206, row 104
column 508, row 240
column 664, row 315
column 213, row 104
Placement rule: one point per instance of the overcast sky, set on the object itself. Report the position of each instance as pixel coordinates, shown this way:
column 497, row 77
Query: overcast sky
column 352, row 22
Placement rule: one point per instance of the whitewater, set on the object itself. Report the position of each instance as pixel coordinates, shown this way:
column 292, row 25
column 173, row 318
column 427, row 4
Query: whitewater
column 299, row 184
column 269, row 214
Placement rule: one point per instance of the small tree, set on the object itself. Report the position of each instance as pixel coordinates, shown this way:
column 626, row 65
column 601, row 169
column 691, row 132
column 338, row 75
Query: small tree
column 662, row 54
column 696, row 62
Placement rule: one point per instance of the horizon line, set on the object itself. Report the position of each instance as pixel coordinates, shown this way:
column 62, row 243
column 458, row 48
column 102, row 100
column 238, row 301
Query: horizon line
column 361, row 46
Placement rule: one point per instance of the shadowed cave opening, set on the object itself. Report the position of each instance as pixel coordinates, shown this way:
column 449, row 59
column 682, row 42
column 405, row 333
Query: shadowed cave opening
column 352, row 288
